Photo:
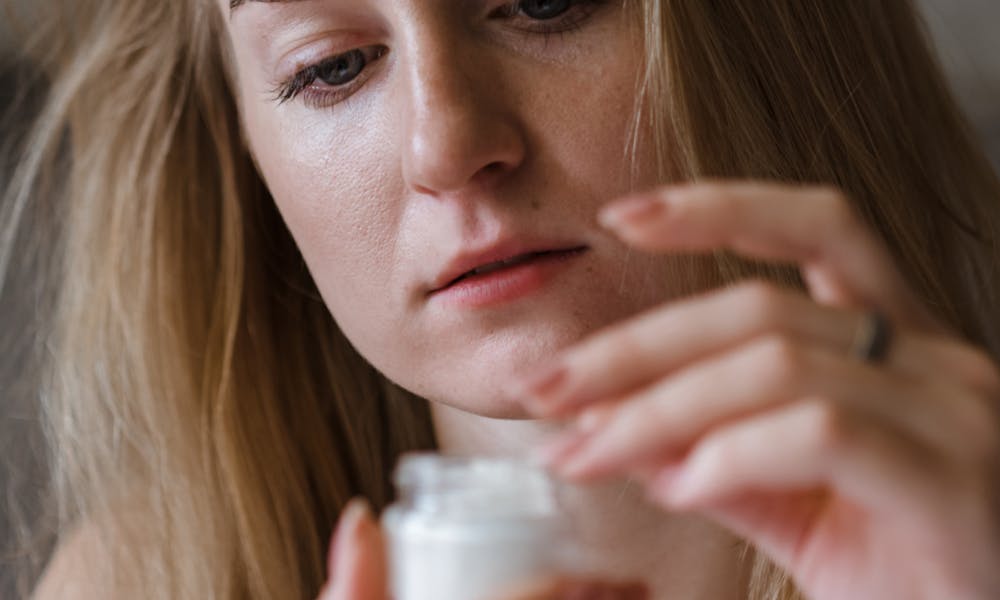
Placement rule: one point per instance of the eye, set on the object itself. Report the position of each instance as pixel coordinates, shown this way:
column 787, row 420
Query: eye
column 548, row 16
column 331, row 79
column 341, row 69
column 543, row 10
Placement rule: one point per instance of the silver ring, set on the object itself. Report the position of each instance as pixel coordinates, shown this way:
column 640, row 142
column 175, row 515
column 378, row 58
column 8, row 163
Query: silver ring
column 872, row 339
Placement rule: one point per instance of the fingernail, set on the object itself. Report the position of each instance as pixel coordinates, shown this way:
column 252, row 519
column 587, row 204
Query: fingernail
column 632, row 210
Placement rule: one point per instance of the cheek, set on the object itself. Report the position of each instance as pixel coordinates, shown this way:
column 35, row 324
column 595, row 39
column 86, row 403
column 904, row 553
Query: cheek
column 582, row 120
column 331, row 184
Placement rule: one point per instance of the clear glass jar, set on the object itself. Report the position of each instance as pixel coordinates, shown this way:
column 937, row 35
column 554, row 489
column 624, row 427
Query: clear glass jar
column 466, row 528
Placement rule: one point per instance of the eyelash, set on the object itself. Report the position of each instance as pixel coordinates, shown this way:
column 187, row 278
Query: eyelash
column 301, row 83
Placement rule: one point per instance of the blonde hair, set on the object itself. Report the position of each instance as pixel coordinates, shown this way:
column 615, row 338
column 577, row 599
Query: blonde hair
column 200, row 392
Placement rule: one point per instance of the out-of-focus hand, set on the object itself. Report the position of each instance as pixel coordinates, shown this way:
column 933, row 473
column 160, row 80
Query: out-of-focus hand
column 357, row 562
column 358, row 569
column 864, row 479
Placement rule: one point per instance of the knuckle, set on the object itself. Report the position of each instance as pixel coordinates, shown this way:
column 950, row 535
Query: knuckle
column 779, row 359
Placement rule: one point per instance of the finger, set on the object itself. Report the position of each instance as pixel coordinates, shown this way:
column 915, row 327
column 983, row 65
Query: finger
column 823, row 446
column 666, row 418
column 357, row 560
column 614, row 362
column 843, row 263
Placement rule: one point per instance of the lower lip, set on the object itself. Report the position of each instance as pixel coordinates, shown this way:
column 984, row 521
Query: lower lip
column 506, row 285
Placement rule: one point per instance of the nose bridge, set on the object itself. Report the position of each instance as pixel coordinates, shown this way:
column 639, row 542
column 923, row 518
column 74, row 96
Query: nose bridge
column 457, row 126
column 439, row 77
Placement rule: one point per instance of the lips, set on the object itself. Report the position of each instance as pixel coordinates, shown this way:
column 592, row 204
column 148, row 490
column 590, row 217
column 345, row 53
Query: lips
column 496, row 258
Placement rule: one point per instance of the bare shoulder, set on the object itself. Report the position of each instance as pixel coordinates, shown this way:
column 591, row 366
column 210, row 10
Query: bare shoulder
column 76, row 570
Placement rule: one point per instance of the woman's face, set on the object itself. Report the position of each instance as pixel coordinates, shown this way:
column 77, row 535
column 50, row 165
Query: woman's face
column 408, row 141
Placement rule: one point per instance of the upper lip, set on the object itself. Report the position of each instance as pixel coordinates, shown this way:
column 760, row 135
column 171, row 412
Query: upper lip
column 474, row 258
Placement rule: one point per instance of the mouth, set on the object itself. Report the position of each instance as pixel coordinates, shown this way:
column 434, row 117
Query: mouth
column 513, row 262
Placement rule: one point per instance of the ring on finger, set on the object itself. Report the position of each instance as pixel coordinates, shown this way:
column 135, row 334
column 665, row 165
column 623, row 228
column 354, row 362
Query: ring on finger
column 873, row 338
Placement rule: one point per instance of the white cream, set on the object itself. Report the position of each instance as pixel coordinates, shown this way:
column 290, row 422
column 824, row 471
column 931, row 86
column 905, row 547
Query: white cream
column 464, row 529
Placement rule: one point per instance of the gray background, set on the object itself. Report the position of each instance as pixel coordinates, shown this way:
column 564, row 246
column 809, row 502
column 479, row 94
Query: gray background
column 969, row 42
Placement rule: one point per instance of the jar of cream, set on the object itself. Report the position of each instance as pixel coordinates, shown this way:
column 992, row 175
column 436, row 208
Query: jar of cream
column 467, row 528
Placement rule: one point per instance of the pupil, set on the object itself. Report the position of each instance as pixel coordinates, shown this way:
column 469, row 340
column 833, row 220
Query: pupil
column 342, row 69
column 545, row 9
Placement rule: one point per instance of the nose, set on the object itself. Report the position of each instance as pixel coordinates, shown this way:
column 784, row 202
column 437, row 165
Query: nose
column 460, row 130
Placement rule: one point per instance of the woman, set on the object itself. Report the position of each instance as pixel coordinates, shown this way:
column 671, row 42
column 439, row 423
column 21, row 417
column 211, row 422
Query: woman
column 210, row 419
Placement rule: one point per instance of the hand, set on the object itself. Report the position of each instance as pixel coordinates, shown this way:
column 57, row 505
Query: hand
column 358, row 569
column 862, row 480
column 356, row 565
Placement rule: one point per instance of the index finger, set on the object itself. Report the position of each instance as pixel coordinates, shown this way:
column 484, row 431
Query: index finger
column 843, row 262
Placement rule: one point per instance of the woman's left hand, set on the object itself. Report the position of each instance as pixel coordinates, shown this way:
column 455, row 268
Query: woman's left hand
column 864, row 479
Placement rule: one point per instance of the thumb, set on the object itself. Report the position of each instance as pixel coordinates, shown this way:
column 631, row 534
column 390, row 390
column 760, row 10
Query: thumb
column 357, row 562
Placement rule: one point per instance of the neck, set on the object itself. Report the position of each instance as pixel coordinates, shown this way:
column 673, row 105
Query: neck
column 624, row 537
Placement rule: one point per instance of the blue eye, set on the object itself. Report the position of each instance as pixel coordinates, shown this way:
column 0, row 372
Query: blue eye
column 543, row 10
column 335, row 74
column 341, row 69
column 548, row 16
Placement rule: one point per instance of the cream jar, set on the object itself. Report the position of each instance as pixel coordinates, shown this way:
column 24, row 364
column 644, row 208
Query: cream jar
column 466, row 528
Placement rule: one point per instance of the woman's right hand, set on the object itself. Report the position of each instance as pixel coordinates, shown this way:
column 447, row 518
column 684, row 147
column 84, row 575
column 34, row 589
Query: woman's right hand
column 358, row 570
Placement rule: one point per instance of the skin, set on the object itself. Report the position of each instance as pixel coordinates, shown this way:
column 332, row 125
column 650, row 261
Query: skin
column 432, row 154
column 744, row 405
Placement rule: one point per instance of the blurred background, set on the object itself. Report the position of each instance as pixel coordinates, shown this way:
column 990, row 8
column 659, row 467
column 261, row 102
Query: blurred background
column 966, row 33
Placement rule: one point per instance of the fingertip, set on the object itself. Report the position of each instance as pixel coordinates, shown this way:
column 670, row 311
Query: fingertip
column 354, row 516
column 633, row 210
column 356, row 566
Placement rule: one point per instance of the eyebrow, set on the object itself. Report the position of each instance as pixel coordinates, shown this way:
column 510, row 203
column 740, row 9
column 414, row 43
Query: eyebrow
column 234, row 4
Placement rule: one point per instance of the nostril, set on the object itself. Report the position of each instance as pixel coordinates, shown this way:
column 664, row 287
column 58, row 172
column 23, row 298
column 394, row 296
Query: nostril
column 491, row 171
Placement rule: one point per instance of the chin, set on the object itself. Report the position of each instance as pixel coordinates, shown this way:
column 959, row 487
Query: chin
column 479, row 379
column 474, row 392
column 494, row 408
